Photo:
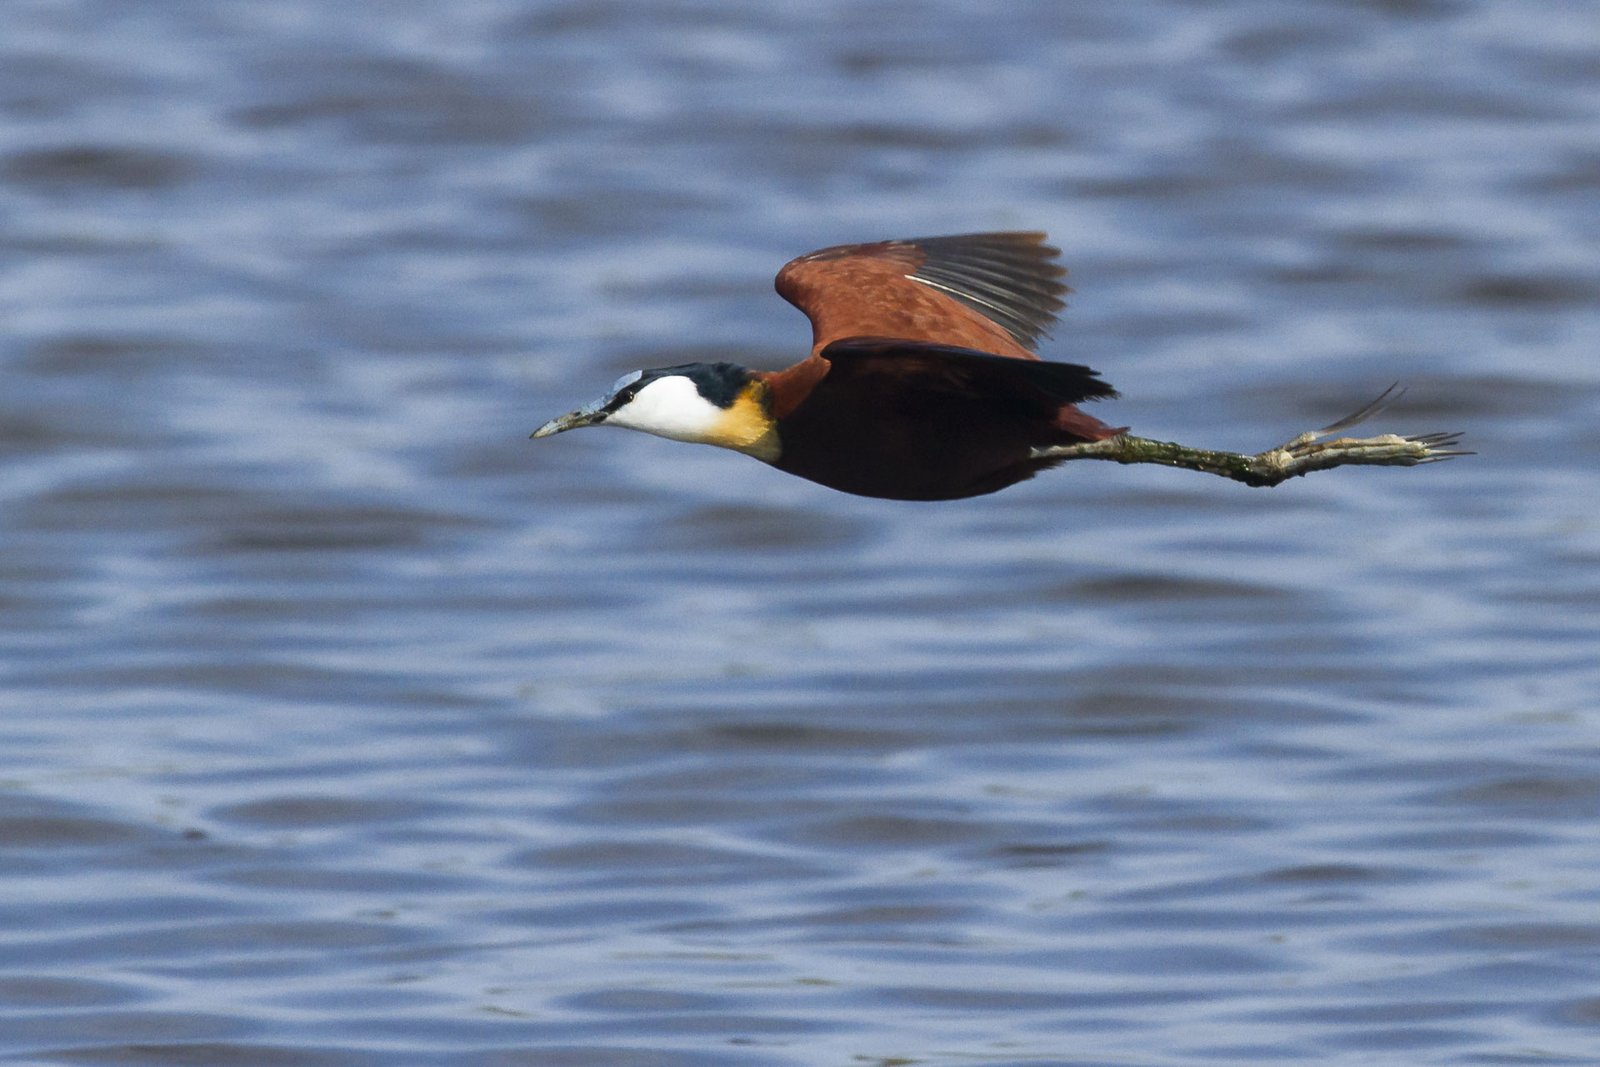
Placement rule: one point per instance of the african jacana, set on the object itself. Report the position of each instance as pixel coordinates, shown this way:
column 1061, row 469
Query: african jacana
column 922, row 383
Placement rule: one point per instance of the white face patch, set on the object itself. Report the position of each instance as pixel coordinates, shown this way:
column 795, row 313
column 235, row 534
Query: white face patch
column 669, row 407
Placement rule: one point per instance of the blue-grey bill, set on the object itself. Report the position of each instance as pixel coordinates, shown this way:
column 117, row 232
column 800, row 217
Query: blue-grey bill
column 584, row 416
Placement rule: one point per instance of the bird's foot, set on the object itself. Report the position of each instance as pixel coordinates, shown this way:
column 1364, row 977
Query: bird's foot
column 1319, row 450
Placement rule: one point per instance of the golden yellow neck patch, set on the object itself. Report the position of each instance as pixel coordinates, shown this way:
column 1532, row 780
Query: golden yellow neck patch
column 748, row 425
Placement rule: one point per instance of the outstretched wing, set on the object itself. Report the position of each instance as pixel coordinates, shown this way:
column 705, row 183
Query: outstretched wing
column 993, row 292
column 889, row 367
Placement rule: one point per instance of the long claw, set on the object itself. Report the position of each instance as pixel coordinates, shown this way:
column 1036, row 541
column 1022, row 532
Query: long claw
column 1387, row 397
column 1439, row 446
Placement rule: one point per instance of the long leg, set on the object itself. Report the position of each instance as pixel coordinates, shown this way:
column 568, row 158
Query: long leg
column 1311, row 451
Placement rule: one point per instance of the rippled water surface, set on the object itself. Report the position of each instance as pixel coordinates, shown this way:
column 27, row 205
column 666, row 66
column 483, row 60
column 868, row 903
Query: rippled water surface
column 341, row 724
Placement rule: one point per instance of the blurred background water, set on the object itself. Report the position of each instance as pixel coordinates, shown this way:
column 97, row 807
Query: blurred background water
column 340, row 724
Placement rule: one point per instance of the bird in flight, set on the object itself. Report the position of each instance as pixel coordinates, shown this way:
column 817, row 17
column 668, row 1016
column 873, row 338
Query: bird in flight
column 923, row 384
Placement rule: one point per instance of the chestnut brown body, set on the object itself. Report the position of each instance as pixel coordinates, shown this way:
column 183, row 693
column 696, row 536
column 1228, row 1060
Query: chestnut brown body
column 922, row 383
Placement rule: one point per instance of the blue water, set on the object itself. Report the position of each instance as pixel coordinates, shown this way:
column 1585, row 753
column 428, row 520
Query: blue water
column 341, row 724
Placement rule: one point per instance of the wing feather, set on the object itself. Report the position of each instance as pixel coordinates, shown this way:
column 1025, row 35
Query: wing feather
column 906, row 368
column 993, row 292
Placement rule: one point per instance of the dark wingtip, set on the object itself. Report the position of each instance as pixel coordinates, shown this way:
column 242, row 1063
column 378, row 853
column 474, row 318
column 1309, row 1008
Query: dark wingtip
column 1011, row 278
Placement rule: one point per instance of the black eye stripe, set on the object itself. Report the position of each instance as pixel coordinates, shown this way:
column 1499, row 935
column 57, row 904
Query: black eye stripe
column 719, row 383
column 624, row 395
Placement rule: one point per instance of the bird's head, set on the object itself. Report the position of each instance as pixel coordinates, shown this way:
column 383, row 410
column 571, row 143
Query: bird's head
column 704, row 403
